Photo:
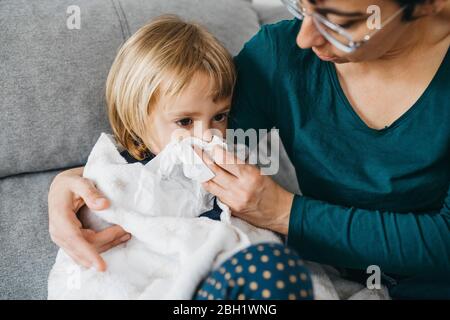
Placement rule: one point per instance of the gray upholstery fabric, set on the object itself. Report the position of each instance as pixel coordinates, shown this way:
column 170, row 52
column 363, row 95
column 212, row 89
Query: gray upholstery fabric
column 52, row 107
column 233, row 22
column 52, row 78
column 51, row 82
column 27, row 252
column 272, row 14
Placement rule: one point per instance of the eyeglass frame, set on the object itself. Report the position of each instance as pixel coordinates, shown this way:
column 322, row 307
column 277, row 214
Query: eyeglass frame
column 300, row 12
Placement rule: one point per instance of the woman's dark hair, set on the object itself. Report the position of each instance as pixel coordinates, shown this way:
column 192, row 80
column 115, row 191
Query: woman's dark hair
column 410, row 6
column 409, row 10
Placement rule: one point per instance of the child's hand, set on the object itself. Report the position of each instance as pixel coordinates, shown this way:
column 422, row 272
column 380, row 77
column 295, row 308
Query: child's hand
column 250, row 195
column 68, row 192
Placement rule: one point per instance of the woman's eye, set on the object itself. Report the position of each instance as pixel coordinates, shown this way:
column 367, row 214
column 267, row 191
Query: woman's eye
column 185, row 122
column 343, row 23
column 220, row 117
column 347, row 25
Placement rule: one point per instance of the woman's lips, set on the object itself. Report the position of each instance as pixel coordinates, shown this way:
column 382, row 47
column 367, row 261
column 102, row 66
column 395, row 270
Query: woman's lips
column 324, row 57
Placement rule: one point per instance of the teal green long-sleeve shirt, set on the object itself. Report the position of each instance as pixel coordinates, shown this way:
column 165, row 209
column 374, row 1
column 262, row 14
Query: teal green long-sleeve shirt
column 370, row 197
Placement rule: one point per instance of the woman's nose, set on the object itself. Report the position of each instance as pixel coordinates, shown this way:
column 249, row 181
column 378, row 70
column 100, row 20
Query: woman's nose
column 309, row 36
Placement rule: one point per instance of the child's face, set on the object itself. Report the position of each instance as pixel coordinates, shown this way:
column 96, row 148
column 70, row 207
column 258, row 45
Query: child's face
column 191, row 113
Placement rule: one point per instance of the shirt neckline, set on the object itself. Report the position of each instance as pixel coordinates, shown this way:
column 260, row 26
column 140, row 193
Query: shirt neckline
column 416, row 105
column 130, row 159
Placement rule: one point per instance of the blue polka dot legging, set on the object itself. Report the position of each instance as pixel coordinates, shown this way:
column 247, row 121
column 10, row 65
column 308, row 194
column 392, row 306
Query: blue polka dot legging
column 263, row 271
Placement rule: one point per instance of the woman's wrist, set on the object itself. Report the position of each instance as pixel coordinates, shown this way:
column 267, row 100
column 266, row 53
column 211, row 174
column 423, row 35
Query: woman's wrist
column 73, row 172
column 282, row 212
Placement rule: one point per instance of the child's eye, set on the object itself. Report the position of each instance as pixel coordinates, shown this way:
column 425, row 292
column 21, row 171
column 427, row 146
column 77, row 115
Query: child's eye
column 220, row 117
column 185, row 122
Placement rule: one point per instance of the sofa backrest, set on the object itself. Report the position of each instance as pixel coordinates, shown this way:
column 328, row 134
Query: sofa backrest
column 52, row 77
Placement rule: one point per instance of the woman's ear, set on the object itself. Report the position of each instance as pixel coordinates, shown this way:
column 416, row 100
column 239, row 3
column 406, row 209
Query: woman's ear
column 429, row 8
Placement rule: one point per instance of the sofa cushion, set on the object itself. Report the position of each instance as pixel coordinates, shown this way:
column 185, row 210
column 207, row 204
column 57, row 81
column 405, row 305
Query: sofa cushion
column 27, row 252
column 52, row 78
column 269, row 14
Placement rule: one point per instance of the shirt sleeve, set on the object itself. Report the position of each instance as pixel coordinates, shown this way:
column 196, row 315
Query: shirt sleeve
column 399, row 243
column 252, row 99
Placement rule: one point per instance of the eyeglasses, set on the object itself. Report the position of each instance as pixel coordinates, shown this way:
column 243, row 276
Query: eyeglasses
column 334, row 33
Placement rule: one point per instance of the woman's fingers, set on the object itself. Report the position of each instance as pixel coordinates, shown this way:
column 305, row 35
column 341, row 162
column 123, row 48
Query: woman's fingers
column 68, row 193
column 216, row 190
column 114, row 243
column 222, row 177
column 87, row 252
column 227, row 160
column 76, row 245
column 109, row 235
column 79, row 259
column 93, row 198
column 85, row 247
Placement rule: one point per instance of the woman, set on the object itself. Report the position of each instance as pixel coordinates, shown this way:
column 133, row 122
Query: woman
column 363, row 114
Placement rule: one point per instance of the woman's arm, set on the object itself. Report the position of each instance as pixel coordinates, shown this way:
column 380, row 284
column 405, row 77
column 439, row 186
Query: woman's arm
column 399, row 243
column 68, row 192
column 402, row 243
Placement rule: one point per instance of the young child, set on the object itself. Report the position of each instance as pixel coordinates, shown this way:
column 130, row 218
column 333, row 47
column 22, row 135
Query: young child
column 168, row 76
column 170, row 79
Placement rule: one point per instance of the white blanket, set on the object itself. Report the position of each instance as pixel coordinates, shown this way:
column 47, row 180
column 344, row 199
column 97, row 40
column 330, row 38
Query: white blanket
column 171, row 248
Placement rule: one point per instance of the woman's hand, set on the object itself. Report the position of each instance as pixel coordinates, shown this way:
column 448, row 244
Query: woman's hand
column 68, row 192
column 250, row 195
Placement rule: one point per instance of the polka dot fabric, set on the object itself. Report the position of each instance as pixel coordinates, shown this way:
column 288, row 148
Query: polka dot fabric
column 263, row 271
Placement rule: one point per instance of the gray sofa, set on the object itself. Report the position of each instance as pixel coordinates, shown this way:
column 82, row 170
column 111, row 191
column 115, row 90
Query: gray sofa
column 52, row 107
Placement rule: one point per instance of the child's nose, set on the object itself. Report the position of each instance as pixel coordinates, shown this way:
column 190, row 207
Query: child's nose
column 201, row 130
column 204, row 131
column 207, row 135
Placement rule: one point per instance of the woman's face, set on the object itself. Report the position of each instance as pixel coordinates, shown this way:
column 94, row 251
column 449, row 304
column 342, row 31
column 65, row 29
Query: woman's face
column 353, row 16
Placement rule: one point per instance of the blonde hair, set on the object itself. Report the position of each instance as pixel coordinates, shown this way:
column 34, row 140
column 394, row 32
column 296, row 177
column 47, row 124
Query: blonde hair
column 161, row 59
